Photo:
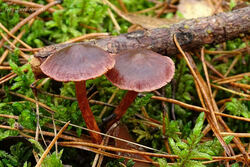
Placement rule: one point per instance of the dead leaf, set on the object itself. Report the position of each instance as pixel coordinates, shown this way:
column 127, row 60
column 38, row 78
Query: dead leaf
column 195, row 8
column 148, row 22
column 121, row 131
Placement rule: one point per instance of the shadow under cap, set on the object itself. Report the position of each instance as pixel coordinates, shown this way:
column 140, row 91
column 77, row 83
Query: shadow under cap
column 141, row 70
column 77, row 63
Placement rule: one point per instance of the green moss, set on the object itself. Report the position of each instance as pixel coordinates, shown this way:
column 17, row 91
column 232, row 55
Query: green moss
column 186, row 26
column 209, row 31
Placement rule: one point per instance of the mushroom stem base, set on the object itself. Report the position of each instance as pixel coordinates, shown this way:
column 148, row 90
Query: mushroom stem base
column 123, row 106
column 87, row 114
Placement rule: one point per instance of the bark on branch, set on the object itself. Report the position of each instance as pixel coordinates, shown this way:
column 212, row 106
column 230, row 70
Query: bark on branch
column 191, row 34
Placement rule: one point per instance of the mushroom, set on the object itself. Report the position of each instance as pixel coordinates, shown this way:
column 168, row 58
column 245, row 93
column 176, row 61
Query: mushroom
column 79, row 63
column 138, row 70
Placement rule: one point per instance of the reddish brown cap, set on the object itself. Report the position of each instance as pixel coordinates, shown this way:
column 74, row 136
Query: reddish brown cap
column 141, row 70
column 77, row 63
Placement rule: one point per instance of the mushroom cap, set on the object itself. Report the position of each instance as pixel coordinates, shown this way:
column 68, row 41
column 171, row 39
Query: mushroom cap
column 141, row 70
column 77, row 63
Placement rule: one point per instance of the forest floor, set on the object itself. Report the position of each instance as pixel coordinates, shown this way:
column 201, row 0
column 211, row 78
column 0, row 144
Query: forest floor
column 200, row 118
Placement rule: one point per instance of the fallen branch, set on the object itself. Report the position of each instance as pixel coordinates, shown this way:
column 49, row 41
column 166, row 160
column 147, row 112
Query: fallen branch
column 191, row 33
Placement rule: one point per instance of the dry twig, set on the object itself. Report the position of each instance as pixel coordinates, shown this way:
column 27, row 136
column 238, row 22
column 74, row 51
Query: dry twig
column 51, row 145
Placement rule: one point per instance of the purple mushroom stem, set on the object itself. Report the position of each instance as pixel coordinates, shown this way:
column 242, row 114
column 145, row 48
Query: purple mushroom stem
column 123, row 106
column 87, row 115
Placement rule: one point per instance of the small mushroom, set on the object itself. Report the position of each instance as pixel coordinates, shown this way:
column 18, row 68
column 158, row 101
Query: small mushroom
column 138, row 70
column 79, row 63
